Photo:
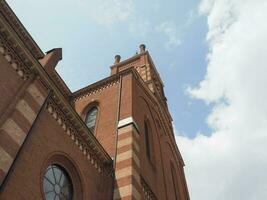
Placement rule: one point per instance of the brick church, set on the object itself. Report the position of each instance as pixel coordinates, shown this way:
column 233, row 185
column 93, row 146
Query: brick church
column 110, row 140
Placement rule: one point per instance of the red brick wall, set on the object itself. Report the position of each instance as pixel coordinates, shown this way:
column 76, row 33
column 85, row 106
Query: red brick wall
column 156, row 171
column 47, row 140
column 151, row 170
column 180, row 187
column 136, row 103
column 10, row 83
column 107, row 102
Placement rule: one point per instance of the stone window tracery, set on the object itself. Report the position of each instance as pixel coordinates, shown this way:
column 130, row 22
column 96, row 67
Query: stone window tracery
column 57, row 184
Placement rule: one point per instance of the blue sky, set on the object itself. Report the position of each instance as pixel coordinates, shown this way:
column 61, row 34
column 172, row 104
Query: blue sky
column 218, row 104
column 173, row 32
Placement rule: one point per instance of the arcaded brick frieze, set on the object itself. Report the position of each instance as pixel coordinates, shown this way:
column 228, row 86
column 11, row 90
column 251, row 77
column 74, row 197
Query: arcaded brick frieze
column 14, row 55
column 87, row 147
column 30, row 128
column 83, row 93
column 22, row 62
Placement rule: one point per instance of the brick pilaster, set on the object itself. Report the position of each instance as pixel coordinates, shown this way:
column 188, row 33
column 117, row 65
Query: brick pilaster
column 127, row 171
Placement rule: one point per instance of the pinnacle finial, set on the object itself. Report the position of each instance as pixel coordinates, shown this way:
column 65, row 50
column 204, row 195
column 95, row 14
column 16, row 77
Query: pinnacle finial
column 142, row 48
column 117, row 59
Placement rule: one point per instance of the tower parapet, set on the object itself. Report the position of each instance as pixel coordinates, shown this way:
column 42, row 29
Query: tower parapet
column 145, row 67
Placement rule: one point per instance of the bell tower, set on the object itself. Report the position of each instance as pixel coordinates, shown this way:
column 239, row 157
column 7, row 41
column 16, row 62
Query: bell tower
column 134, row 126
column 145, row 67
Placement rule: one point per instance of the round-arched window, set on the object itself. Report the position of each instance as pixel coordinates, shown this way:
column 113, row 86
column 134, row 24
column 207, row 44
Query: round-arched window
column 57, row 184
column 90, row 119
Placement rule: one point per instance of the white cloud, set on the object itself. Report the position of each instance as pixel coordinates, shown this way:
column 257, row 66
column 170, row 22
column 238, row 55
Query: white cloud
column 192, row 16
column 108, row 12
column 205, row 6
column 231, row 164
column 139, row 27
column 170, row 30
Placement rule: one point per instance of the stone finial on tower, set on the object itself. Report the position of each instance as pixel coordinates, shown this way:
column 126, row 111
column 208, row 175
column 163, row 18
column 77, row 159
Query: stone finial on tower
column 117, row 59
column 142, row 48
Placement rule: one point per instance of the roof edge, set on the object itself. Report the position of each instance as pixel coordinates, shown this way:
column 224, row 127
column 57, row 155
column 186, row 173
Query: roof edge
column 18, row 27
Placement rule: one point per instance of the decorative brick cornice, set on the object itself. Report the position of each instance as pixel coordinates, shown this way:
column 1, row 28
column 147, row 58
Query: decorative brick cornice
column 129, row 61
column 14, row 22
column 95, row 88
column 17, row 53
column 9, row 50
column 149, row 195
column 80, row 137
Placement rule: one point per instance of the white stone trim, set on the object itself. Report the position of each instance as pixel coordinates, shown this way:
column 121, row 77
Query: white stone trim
column 36, row 94
column 127, row 121
column 26, row 110
column 14, row 131
column 5, row 160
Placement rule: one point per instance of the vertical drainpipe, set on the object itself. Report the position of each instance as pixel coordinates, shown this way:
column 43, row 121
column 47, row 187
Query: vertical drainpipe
column 117, row 60
column 117, row 122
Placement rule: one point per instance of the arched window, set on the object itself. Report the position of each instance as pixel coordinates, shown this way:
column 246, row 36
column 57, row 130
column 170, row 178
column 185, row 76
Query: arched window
column 147, row 141
column 57, row 184
column 90, row 119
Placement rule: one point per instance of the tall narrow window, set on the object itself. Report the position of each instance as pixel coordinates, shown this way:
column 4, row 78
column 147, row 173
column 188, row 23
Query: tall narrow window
column 91, row 118
column 147, row 142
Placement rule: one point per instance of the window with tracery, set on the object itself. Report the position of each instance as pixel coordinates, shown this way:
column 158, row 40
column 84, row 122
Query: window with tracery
column 57, row 184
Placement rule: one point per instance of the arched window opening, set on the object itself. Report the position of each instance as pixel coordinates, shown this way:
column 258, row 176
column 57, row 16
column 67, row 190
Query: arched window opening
column 90, row 119
column 147, row 142
column 57, row 184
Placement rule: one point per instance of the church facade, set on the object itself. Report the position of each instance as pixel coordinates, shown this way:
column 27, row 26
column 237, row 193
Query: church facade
column 110, row 140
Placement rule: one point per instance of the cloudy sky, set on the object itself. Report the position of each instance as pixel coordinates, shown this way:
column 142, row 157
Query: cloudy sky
column 212, row 56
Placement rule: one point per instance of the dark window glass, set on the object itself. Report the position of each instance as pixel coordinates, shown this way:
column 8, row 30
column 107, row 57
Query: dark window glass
column 147, row 140
column 91, row 118
column 57, row 184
